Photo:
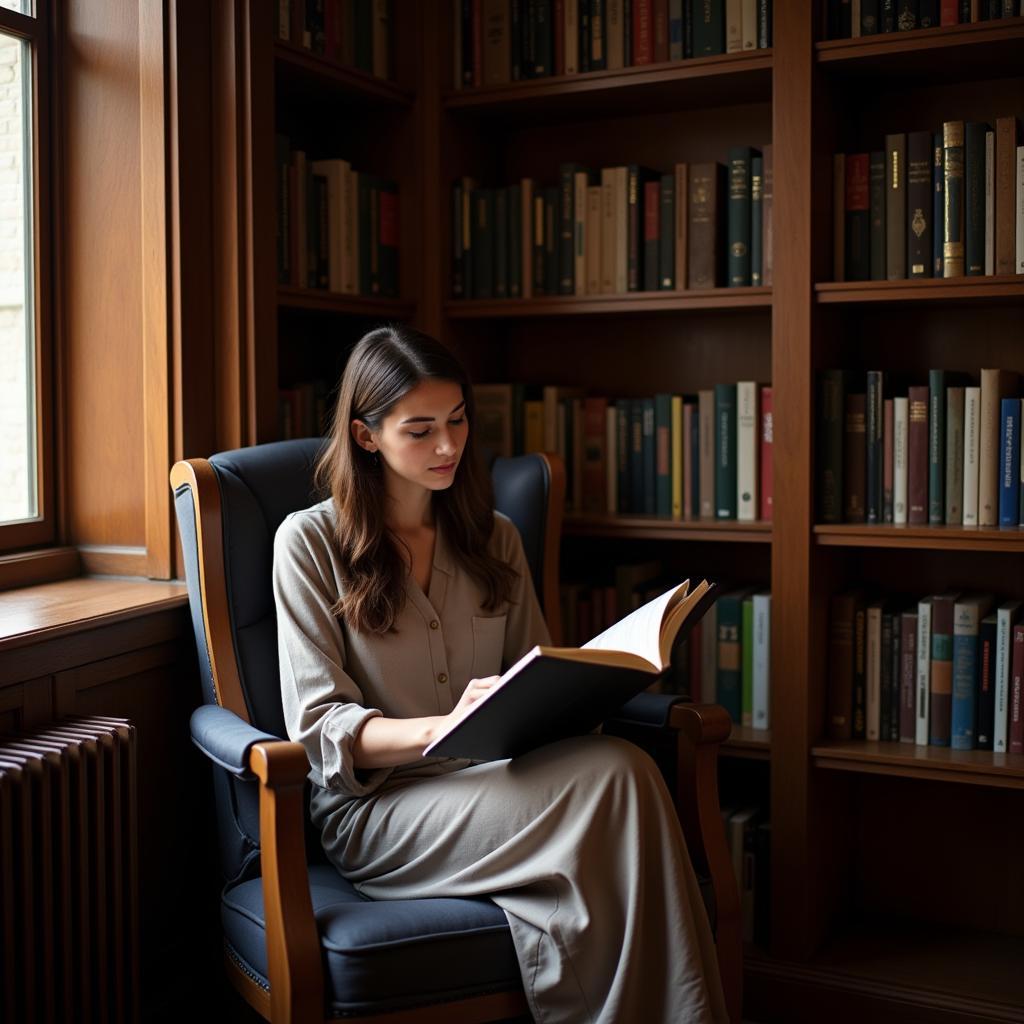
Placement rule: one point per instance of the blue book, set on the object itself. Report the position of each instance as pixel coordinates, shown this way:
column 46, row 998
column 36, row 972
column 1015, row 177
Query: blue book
column 1009, row 462
column 967, row 615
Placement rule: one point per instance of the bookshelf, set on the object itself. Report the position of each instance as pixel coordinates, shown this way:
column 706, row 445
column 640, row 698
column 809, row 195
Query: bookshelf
column 856, row 932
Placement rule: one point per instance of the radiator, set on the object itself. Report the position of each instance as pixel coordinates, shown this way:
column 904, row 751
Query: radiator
column 69, row 873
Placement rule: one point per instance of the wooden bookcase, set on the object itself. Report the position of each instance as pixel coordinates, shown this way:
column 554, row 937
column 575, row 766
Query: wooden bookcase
column 896, row 888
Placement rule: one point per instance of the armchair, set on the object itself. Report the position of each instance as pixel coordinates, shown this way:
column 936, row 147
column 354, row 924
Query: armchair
column 300, row 943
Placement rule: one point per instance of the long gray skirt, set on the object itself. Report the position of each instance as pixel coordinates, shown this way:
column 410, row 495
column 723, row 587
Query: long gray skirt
column 579, row 844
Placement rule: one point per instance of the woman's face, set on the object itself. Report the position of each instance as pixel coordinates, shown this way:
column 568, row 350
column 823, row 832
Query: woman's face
column 423, row 437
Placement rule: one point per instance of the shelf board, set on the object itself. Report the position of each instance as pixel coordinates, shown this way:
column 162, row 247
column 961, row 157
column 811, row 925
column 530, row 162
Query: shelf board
column 935, row 538
column 745, row 742
column 937, row 764
column 324, row 301
column 597, row 305
column 722, row 80
column 987, row 49
column 929, row 971
column 940, row 290
column 637, row 527
column 303, row 74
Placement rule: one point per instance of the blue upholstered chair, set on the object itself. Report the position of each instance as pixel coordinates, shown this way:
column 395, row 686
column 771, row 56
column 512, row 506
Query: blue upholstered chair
column 301, row 944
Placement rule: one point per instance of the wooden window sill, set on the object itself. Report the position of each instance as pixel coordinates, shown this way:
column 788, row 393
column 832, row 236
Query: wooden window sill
column 35, row 614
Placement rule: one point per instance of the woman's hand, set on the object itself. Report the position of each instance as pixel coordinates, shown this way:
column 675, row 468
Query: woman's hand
column 476, row 689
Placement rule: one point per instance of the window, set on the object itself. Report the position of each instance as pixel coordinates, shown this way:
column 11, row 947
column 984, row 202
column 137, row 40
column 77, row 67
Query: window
column 26, row 407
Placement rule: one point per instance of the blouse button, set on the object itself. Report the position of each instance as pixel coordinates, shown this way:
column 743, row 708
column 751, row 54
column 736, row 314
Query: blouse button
column 442, row 678
column 434, row 623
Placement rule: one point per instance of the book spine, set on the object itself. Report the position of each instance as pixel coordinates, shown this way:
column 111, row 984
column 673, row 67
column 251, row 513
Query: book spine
column 887, row 460
column 526, row 238
column 767, row 210
column 756, row 220
column 611, row 442
column 990, row 203
column 738, row 227
column 678, row 435
column 1005, row 619
column 941, row 678
column 873, row 672
column 634, row 228
column 706, row 430
column 859, row 712
column 1009, row 462
column 500, row 196
column 663, row 451
column 624, row 450
column 895, row 207
column 1005, row 180
column 636, row 456
column 954, row 456
column 917, row 461
column 938, row 203
column 966, row 624
column 919, row 204
column 854, row 459
column 566, row 230
column 876, row 171
column 592, row 239
column 767, row 447
column 551, row 240
column 746, row 450
column 689, row 501
column 936, row 446
column 972, row 415
column 857, row 218
column 839, row 217
column 747, row 647
column 696, row 474
column 704, row 255
column 725, row 451
column 652, row 236
column 900, row 459
column 840, row 687
column 682, row 226
column 709, row 655
column 708, row 28
column 831, row 422
column 762, row 661
column 922, row 677
column 873, row 452
column 728, row 681
column 953, row 210
column 887, row 703
column 666, row 261
column 985, row 716
column 974, row 198
column 1015, row 739
column 649, row 502
column 908, row 676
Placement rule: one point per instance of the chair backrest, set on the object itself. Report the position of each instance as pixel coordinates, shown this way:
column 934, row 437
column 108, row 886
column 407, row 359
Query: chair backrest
column 228, row 509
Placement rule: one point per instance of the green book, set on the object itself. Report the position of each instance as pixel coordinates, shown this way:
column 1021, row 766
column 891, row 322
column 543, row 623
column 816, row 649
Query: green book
column 725, row 451
column 747, row 648
column 756, row 193
column 738, row 216
column 708, row 28
column 936, row 447
column 729, row 673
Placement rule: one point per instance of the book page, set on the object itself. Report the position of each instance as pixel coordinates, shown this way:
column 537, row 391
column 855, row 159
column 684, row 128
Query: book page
column 676, row 616
column 640, row 631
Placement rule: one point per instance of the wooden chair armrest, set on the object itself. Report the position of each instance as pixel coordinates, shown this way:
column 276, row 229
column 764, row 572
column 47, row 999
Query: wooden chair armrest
column 293, row 943
column 702, row 728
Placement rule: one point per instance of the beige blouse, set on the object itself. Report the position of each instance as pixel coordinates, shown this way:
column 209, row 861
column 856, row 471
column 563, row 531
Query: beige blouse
column 334, row 678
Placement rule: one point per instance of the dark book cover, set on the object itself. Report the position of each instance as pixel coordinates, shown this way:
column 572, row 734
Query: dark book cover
column 652, row 236
column 583, row 36
column 854, row 459
column 1005, row 197
column 567, row 228
column 1009, row 462
column 728, row 684
column 282, row 153
column 636, row 456
column 725, row 451
column 895, row 664
column 738, row 217
column 938, row 203
column 906, row 15
column 323, row 232
column 895, row 207
column 756, row 221
column 649, row 458
column 624, row 454
column 917, row 456
column 869, row 17
column 388, row 214
column 919, row 204
column 706, row 256
column 551, row 240
column 829, row 438
column 876, row 187
column 887, row 15
column 483, row 243
column 858, row 217
column 515, row 241
column 764, row 24
column 667, row 233
column 885, row 688
column 515, row 23
column 928, row 13
column 500, row 201
column 940, row 702
column 540, row 272
column 663, row 455
column 1015, row 712
column 953, row 207
column 985, row 717
column 974, row 198
column 364, row 188
column 458, row 253
column 936, row 447
column 708, row 27
column 908, row 676
column 873, row 430
column 598, row 36
column 659, row 26
column 888, row 467
column 637, row 178
column 842, row 615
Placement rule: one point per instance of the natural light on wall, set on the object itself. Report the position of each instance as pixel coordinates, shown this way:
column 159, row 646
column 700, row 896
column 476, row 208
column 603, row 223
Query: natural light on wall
column 18, row 434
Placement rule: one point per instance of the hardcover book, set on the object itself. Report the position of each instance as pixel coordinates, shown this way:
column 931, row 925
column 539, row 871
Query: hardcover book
column 554, row 692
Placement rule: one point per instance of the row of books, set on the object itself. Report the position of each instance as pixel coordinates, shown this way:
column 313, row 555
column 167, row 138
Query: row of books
column 947, row 204
column 500, row 41
column 337, row 228
column 352, row 33
column 943, row 671
column 845, row 19
column 748, row 835
column 303, row 410
column 621, row 229
column 706, row 456
column 946, row 453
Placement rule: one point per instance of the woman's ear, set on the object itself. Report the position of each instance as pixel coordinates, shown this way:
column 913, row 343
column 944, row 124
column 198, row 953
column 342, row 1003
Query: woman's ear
column 363, row 436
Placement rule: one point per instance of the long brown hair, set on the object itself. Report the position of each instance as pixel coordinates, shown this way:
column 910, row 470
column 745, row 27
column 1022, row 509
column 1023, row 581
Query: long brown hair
column 384, row 366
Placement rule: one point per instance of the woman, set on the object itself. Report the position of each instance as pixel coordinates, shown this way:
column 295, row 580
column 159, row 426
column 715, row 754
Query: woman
column 400, row 599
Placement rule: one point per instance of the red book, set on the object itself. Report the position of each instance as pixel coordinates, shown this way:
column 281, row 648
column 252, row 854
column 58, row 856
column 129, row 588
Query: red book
column 767, row 429
column 1016, row 744
column 917, row 461
column 949, row 13
column 659, row 23
column 643, row 34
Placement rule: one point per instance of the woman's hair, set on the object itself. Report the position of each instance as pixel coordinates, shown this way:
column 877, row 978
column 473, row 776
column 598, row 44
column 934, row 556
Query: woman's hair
column 384, row 366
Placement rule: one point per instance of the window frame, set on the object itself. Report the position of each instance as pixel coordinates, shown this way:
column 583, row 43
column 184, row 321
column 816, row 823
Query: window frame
column 35, row 29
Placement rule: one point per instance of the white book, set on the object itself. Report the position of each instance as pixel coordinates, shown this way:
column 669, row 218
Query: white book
column 762, row 661
column 972, row 452
column 611, row 441
column 581, row 181
column 1006, row 616
column 990, row 202
column 1019, row 264
column 901, row 422
column 709, row 655
column 746, row 449
column 923, row 676
column 339, row 185
column 749, row 26
column 873, row 670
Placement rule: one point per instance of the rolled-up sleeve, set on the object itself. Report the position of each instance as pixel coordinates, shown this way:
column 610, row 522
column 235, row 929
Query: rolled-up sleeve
column 525, row 626
column 323, row 706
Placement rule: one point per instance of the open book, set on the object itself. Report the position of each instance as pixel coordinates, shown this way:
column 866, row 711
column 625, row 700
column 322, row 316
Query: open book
column 553, row 692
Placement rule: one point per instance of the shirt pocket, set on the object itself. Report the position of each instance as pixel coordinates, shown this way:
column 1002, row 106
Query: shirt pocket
column 488, row 645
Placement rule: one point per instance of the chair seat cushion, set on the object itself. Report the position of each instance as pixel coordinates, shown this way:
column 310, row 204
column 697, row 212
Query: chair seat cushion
column 384, row 954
